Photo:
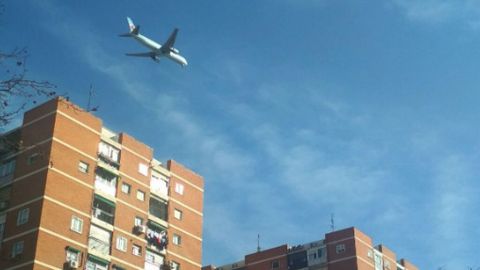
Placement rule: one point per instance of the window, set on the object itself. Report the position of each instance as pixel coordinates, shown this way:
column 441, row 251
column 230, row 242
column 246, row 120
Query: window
column 174, row 265
column 275, row 264
column 122, row 243
column 76, row 224
column 22, row 217
column 177, row 214
column 158, row 208
column 140, row 195
column 109, row 152
column 116, row 267
column 94, row 264
column 32, row 158
column 159, row 184
column 103, row 209
column 319, row 253
column 17, row 249
column 143, row 169
column 100, row 240
column 73, row 255
column 83, row 167
column 138, row 221
column 126, row 188
column 136, row 250
column 179, row 188
column 105, row 181
column 155, row 260
column 177, row 239
column 340, row 248
column 7, row 168
column 378, row 261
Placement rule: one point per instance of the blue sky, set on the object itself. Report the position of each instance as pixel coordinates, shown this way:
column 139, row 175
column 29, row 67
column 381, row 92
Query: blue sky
column 291, row 110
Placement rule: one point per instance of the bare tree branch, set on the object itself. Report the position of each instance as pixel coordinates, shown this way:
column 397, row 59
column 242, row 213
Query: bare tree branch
column 16, row 89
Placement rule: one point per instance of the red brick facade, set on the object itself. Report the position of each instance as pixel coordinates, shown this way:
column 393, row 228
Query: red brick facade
column 347, row 249
column 82, row 206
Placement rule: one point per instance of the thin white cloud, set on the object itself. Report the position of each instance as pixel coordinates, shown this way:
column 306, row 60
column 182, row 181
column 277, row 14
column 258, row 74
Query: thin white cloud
column 441, row 11
column 309, row 163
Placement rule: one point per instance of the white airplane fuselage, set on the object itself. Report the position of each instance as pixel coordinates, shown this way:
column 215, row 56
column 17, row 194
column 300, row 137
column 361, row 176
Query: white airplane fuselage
column 154, row 46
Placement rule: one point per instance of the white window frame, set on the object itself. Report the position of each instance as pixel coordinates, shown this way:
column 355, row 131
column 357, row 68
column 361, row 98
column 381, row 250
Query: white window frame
column 143, row 169
column 23, row 215
column 72, row 254
column 83, row 166
column 140, row 195
column 136, row 250
column 340, row 248
column 179, row 188
column 122, row 243
column 138, row 221
column 178, row 214
column 127, row 187
column 174, row 265
column 177, row 239
column 76, row 224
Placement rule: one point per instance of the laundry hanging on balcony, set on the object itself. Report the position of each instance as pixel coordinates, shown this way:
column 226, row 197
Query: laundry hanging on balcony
column 157, row 239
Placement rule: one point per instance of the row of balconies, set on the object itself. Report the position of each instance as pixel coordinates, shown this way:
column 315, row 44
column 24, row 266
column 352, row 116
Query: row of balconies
column 99, row 240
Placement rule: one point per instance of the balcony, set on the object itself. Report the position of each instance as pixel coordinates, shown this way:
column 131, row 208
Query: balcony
column 109, row 155
column 159, row 186
column 98, row 246
column 156, row 236
column 103, row 215
column 103, row 209
column 105, row 182
column 158, row 208
column 153, row 261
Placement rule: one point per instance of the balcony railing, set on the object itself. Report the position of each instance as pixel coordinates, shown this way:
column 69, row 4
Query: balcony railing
column 159, row 186
column 152, row 266
column 103, row 215
column 105, row 186
column 109, row 161
column 99, row 246
column 156, row 239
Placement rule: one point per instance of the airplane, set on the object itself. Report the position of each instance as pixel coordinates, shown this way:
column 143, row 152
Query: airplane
column 157, row 50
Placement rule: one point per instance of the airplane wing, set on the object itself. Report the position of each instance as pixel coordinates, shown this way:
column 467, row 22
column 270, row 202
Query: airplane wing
column 145, row 54
column 170, row 41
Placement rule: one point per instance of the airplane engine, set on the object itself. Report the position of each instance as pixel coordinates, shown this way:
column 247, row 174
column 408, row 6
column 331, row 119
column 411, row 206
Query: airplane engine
column 175, row 50
column 155, row 58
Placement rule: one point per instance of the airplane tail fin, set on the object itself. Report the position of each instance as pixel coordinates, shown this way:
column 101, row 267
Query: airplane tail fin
column 133, row 29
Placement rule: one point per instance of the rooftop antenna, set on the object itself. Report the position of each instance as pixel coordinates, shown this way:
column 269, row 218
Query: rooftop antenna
column 258, row 243
column 332, row 222
column 91, row 93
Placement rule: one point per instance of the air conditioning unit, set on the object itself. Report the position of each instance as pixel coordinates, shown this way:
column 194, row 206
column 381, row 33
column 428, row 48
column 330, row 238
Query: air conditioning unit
column 140, row 228
column 73, row 264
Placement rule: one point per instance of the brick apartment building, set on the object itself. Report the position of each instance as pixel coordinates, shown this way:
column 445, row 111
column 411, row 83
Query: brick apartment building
column 75, row 195
column 348, row 249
